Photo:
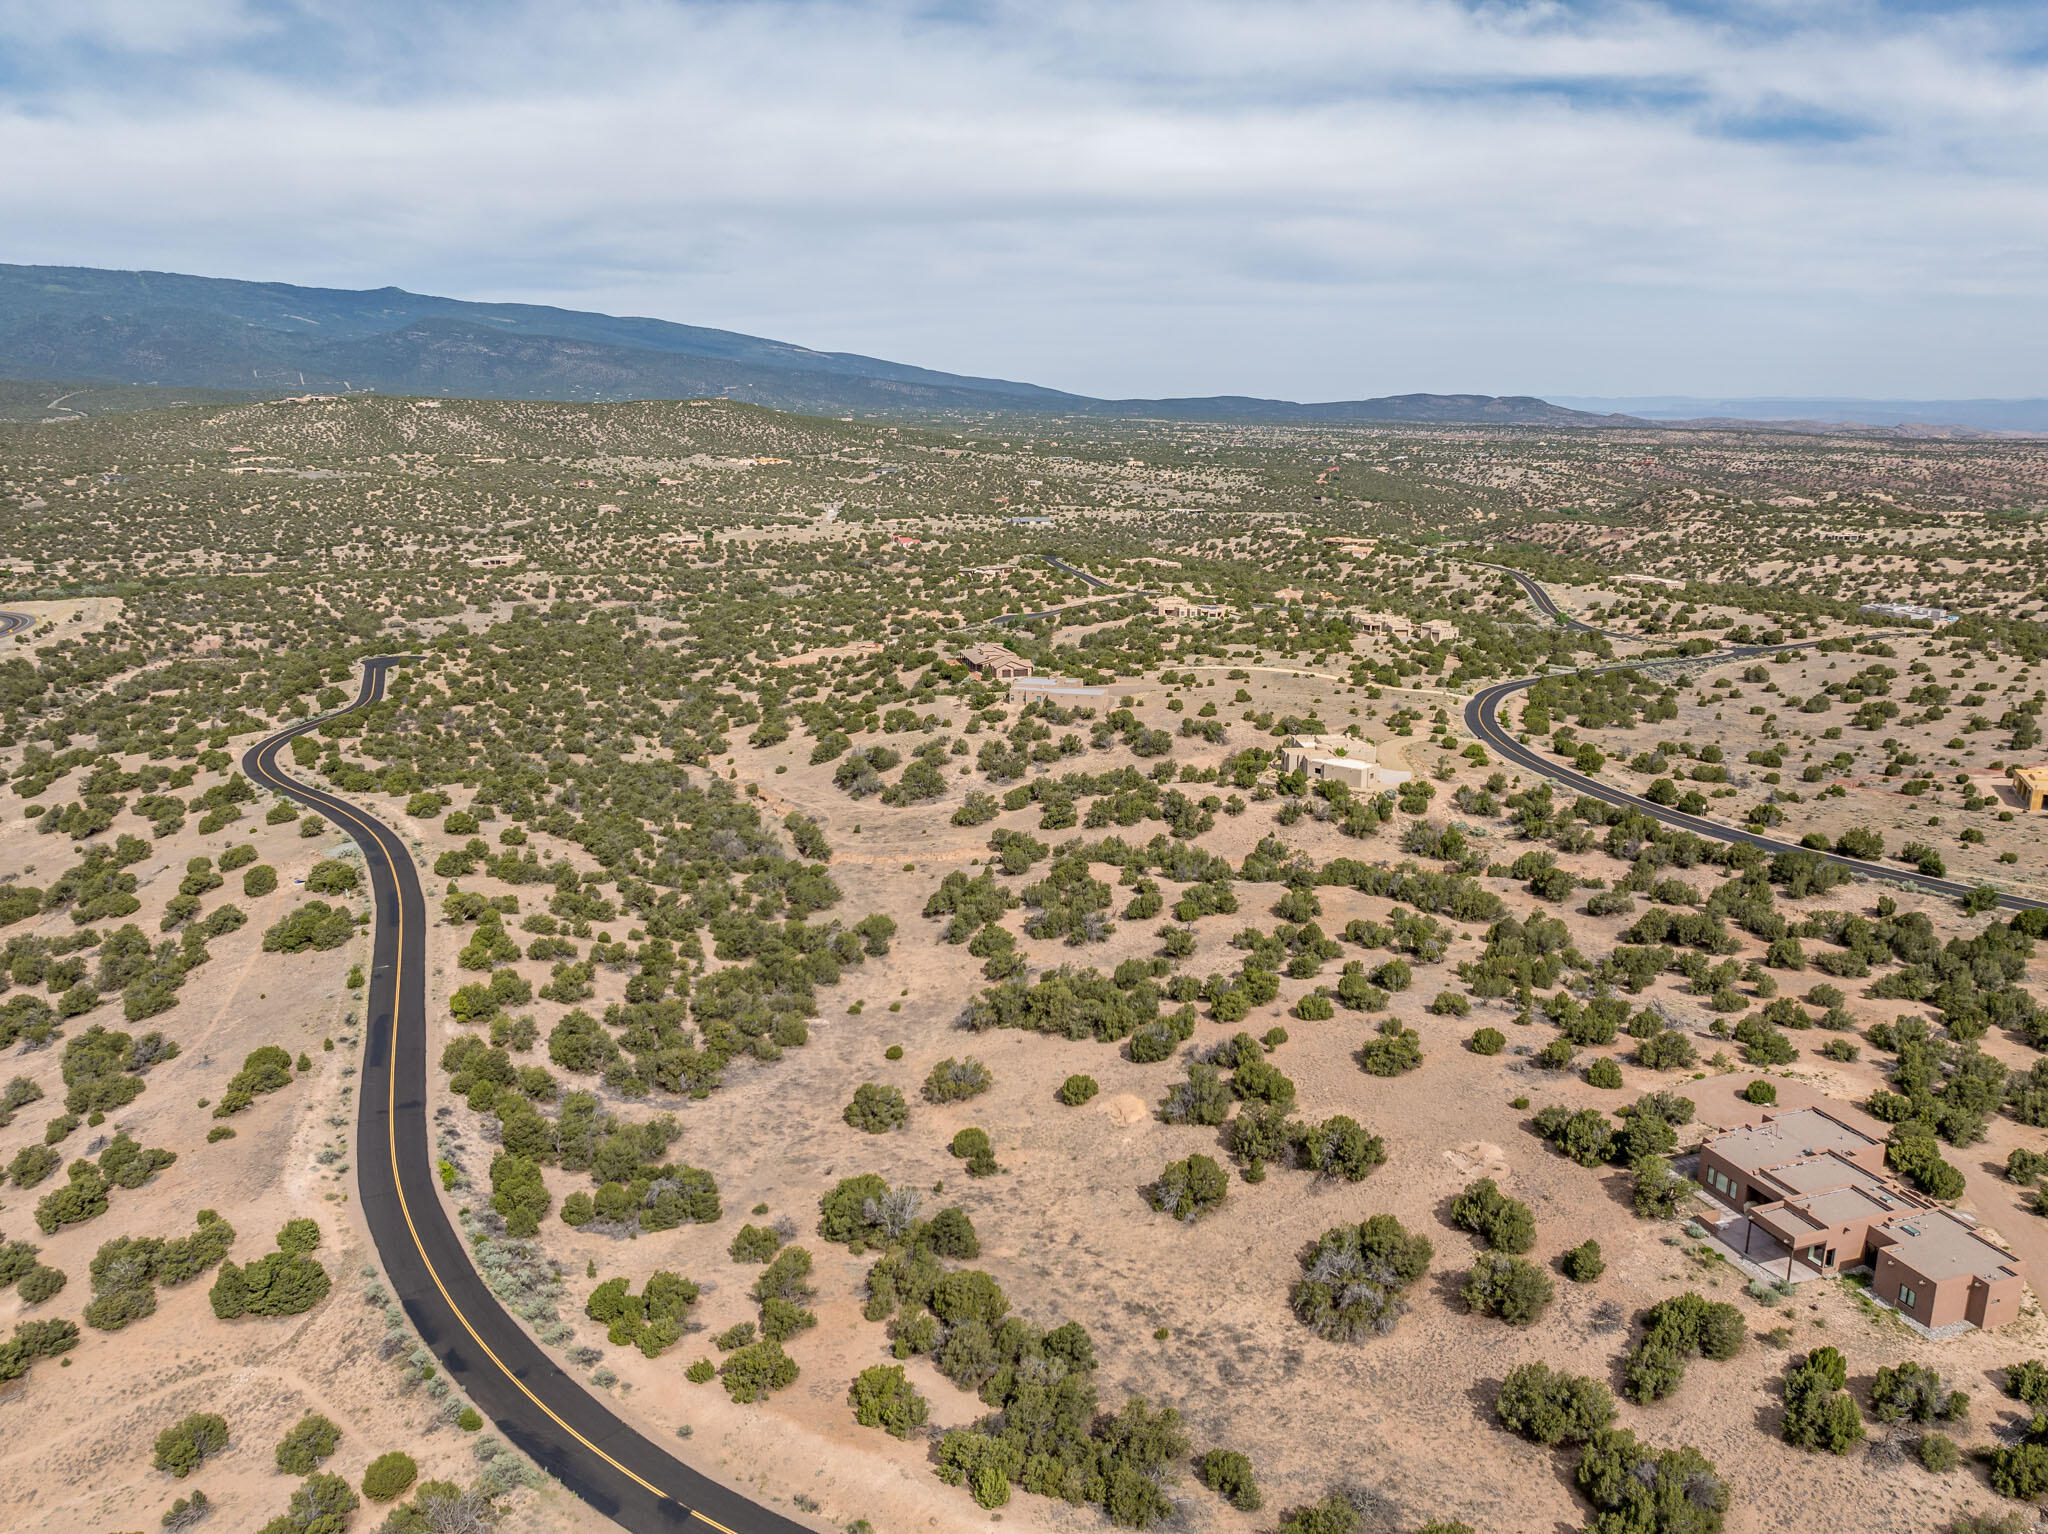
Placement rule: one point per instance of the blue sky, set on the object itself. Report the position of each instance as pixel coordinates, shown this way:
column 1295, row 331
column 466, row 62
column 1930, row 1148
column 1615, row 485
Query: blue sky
column 1305, row 198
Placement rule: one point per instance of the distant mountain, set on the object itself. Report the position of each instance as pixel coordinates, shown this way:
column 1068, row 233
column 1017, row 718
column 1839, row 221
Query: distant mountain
column 2018, row 415
column 166, row 329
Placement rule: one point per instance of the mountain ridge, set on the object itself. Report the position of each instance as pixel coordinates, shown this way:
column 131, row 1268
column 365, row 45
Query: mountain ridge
column 175, row 329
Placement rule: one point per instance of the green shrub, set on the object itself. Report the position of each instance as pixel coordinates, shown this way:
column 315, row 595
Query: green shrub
column 1583, row 1263
column 754, row 1243
column 277, row 1285
column 33, row 1163
column 757, row 1370
column 1938, row 1453
column 1675, row 1330
column 1076, row 1090
column 1504, row 1224
column 389, row 1476
column 1603, row 1072
column 1512, row 1288
column 1487, row 1041
column 315, row 925
column 321, row 1505
column 1819, row 1411
column 311, row 1439
column 1189, row 1189
column 1761, row 1092
column 876, row 1109
column 266, row 1068
column 1635, row 1487
column 518, row 1193
column 1915, row 1393
column 2020, row 1471
column 883, row 1398
column 652, row 1320
column 332, row 876
column 259, row 881
column 953, row 1080
column 700, row 1372
column 1353, row 1277
column 182, row 1448
column 299, row 1238
column 1396, row 1051
column 1333, row 1515
column 1229, row 1474
column 40, row 1283
column 972, row 1146
column 33, row 1340
column 1552, row 1408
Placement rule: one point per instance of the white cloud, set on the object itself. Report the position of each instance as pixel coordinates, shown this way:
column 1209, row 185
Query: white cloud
column 1310, row 199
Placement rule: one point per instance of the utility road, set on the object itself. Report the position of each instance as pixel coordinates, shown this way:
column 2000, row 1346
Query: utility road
column 566, row 1429
column 1482, row 721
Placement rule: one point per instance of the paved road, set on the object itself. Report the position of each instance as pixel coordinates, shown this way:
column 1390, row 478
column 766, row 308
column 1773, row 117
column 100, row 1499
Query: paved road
column 566, row 1429
column 1544, row 605
column 15, row 623
column 1482, row 720
column 1091, row 580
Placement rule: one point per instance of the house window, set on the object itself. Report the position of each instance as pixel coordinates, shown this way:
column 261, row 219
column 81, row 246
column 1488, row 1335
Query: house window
column 1817, row 1255
column 1908, row 1299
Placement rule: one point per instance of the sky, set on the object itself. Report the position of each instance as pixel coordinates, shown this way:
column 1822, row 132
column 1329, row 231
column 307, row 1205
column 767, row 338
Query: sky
column 1309, row 199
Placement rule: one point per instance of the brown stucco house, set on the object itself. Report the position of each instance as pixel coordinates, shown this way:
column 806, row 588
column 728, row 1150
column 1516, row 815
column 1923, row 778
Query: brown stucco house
column 996, row 662
column 1813, row 1193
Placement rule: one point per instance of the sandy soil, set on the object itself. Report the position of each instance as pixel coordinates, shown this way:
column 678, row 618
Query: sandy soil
column 77, row 1454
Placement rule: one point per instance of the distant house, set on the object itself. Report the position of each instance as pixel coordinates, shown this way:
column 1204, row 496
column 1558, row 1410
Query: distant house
column 1384, row 625
column 2032, row 782
column 1181, row 607
column 1911, row 612
column 1354, row 763
column 1439, row 631
column 996, row 662
column 1813, row 1193
column 1028, row 687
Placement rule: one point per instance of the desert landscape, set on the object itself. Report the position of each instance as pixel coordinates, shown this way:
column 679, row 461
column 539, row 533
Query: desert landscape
column 916, row 1097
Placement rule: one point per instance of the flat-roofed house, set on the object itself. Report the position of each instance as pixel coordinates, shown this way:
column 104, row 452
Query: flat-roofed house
column 1354, row 763
column 1939, row 1269
column 1814, row 1194
column 1384, row 625
column 996, row 662
column 2032, row 782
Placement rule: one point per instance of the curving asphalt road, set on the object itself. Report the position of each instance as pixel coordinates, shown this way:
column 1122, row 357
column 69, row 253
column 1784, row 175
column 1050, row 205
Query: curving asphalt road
column 564, row 1428
column 15, row 623
column 1482, row 720
column 1540, row 599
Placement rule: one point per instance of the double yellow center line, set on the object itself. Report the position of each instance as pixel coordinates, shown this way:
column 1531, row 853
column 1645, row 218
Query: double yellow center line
column 266, row 759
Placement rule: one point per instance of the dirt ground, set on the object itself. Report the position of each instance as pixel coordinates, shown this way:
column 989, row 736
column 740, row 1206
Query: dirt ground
column 1066, row 1233
column 76, row 1434
column 1405, row 1419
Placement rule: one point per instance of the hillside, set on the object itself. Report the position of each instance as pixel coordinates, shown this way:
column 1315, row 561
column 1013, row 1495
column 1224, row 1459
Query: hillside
column 168, row 329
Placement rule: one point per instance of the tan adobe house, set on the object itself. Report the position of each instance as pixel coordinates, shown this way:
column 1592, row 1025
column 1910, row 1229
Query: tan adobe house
column 1354, row 763
column 996, row 662
column 2032, row 782
column 1811, row 1192
column 1394, row 626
